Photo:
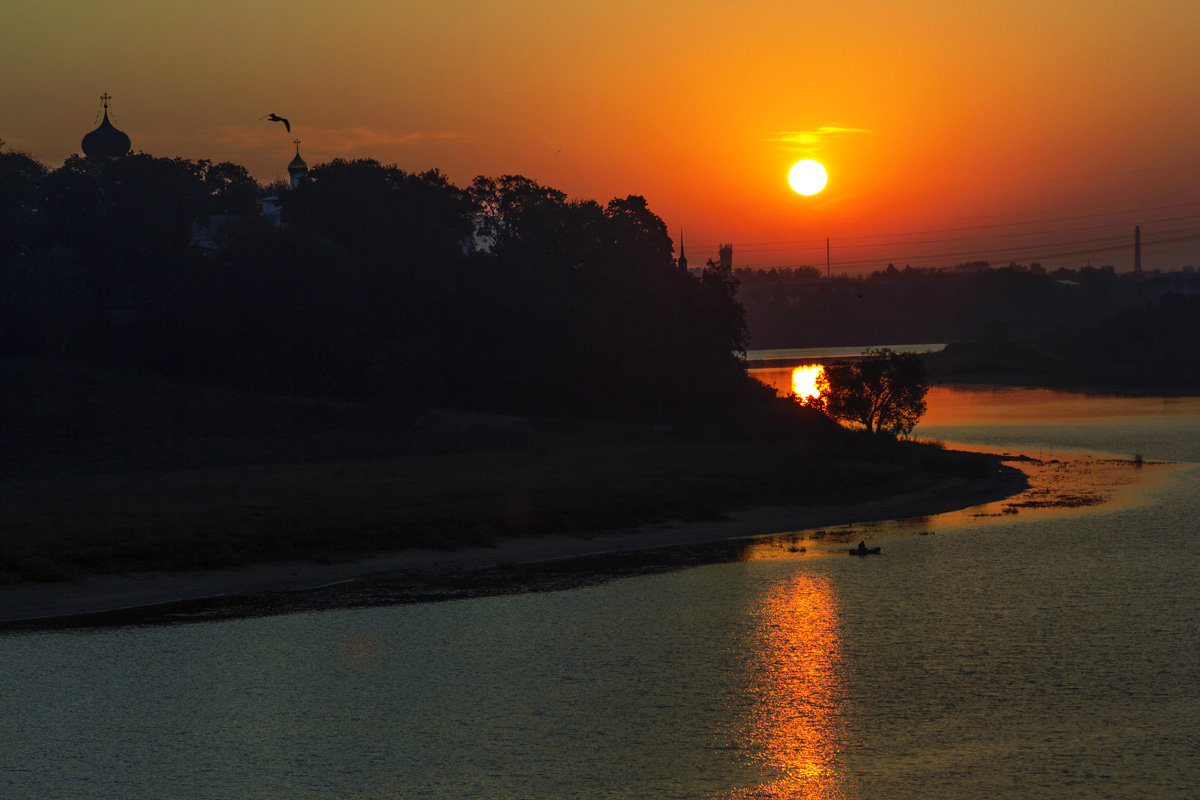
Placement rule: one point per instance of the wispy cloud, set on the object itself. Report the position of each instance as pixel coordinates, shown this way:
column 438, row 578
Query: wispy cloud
column 347, row 139
column 340, row 141
column 807, row 140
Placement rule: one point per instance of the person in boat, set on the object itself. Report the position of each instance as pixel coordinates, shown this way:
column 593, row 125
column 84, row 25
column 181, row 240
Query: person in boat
column 862, row 547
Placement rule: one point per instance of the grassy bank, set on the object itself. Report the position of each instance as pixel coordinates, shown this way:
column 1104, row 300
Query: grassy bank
column 108, row 472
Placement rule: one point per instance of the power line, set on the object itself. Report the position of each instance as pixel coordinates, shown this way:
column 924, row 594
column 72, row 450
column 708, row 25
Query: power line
column 858, row 243
column 1031, row 252
column 1091, row 246
column 949, row 240
column 998, row 251
column 1141, row 214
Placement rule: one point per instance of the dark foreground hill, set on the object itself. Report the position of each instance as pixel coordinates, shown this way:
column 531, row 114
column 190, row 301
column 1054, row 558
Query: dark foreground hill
column 107, row 471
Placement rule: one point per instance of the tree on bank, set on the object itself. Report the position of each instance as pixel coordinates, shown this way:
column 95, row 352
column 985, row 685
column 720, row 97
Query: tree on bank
column 883, row 391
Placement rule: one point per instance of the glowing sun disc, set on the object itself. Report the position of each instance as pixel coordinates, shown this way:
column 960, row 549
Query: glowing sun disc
column 807, row 177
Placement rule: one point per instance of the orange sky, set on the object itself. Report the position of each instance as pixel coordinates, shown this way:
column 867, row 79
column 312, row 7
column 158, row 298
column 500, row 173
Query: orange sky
column 951, row 131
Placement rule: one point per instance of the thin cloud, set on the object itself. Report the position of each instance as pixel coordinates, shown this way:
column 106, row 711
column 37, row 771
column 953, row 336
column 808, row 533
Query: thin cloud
column 342, row 141
column 806, row 140
column 346, row 139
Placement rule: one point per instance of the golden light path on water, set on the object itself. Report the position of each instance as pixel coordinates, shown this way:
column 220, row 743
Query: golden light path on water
column 794, row 729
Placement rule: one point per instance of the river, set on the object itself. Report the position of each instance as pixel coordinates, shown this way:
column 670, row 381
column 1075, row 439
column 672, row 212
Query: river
column 1031, row 651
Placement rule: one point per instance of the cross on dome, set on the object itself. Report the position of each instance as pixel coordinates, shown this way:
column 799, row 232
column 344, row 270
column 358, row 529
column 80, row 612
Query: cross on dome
column 105, row 143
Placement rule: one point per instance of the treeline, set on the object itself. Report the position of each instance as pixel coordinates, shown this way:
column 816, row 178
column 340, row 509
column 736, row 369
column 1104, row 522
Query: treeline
column 910, row 305
column 751, row 275
column 748, row 275
column 378, row 283
column 1147, row 348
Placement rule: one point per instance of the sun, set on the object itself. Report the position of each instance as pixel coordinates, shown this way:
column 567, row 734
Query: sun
column 807, row 177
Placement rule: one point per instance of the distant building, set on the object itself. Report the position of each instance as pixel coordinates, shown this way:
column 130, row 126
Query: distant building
column 106, row 143
column 682, row 260
column 269, row 207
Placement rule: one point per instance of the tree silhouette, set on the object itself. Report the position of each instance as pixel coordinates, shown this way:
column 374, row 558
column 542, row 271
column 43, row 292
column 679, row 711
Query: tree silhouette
column 19, row 178
column 382, row 210
column 230, row 189
column 380, row 283
column 883, row 391
column 722, row 286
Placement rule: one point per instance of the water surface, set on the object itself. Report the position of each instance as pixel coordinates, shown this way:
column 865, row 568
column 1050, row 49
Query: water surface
column 1048, row 653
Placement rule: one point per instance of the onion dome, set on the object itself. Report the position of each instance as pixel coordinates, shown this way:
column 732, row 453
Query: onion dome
column 297, row 169
column 297, row 165
column 106, row 142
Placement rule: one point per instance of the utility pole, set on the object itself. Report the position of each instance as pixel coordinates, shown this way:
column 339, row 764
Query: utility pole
column 827, row 273
column 1137, row 249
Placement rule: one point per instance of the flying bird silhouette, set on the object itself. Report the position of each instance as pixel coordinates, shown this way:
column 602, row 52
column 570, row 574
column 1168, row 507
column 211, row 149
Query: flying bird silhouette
column 277, row 118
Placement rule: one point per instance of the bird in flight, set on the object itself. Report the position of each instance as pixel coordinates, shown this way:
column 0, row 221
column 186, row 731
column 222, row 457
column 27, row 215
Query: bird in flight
column 277, row 118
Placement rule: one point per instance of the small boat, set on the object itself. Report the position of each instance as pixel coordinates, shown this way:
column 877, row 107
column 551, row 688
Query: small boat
column 865, row 551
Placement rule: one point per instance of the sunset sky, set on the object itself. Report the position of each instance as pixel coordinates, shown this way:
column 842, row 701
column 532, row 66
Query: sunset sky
column 951, row 131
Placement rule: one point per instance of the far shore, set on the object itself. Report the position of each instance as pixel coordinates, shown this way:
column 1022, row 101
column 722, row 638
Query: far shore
column 511, row 565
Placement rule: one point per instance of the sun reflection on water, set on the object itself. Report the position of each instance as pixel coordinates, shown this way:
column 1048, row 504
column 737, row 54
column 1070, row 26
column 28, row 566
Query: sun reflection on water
column 804, row 381
column 795, row 728
column 798, row 381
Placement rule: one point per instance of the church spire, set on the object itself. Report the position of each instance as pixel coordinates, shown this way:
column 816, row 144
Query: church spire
column 682, row 261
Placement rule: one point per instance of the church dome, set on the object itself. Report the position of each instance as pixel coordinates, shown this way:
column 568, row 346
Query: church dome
column 106, row 142
column 297, row 169
column 297, row 166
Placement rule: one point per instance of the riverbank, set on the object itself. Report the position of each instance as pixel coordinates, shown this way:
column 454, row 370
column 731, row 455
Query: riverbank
column 110, row 473
column 422, row 574
column 141, row 491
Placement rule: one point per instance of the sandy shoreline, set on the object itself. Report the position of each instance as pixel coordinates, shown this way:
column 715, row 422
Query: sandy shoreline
column 136, row 598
